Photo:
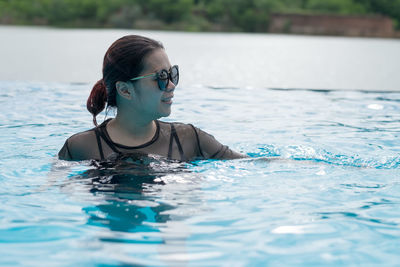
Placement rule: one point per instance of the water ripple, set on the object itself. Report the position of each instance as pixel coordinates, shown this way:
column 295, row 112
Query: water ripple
column 320, row 186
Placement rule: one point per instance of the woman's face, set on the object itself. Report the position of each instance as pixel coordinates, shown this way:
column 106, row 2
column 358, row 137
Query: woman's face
column 149, row 99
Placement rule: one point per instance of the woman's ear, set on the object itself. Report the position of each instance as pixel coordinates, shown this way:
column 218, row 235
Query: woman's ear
column 124, row 89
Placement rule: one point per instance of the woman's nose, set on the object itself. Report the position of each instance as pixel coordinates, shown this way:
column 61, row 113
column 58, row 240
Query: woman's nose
column 170, row 87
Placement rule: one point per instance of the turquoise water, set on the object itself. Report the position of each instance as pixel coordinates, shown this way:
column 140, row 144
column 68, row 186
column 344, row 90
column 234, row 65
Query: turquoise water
column 329, row 196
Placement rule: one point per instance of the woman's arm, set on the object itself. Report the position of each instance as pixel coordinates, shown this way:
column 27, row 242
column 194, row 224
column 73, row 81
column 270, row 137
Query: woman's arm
column 64, row 152
column 210, row 148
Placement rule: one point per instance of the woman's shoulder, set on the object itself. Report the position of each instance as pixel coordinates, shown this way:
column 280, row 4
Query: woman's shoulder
column 177, row 125
column 206, row 144
column 79, row 146
column 82, row 137
column 180, row 127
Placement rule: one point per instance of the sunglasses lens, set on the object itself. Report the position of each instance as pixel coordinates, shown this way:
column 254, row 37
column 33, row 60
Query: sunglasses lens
column 164, row 76
column 162, row 84
column 175, row 75
column 162, row 79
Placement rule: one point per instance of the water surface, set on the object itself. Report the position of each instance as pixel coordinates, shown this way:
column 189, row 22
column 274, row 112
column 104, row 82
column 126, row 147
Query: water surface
column 212, row 59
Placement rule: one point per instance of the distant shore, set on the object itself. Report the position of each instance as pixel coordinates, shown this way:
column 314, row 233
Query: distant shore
column 322, row 25
column 373, row 18
column 281, row 23
column 334, row 25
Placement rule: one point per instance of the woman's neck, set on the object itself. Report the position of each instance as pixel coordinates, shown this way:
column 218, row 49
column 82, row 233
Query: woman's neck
column 131, row 130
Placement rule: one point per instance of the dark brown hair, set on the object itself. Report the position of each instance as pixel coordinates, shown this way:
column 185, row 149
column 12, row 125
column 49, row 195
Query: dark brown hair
column 122, row 61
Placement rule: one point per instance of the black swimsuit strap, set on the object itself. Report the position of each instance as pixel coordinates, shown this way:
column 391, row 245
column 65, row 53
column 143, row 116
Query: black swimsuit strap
column 198, row 141
column 96, row 130
column 179, row 144
column 224, row 148
column 171, row 139
column 108, row 141
column 173, row 136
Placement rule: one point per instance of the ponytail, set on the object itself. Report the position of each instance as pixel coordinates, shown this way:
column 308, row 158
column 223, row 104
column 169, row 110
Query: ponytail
column 97, row 99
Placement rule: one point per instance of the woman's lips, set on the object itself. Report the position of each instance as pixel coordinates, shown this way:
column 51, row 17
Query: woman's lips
column 167, row 100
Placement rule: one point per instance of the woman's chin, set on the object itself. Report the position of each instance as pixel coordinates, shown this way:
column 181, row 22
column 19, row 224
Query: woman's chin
column 165, row 111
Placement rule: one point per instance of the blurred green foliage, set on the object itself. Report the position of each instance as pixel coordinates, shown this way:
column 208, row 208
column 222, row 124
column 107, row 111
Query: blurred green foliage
column 192, row 15
column 343, row 7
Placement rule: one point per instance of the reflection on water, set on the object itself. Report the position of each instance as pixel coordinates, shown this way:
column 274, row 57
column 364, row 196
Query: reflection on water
column 123, row 182
column 135, row 205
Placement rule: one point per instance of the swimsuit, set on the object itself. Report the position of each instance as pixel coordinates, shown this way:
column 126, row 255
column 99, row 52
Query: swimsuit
column 176, row 141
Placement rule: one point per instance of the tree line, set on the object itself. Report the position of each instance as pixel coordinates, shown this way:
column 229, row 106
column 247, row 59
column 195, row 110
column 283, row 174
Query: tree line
column 187, row 15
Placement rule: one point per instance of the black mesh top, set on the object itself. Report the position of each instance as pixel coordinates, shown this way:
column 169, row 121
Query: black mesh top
column 177, row 141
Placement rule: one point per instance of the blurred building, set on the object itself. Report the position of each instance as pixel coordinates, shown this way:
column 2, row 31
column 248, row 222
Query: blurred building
column 368, row 26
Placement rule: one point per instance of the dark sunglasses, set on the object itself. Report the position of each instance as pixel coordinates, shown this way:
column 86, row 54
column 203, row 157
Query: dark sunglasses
column 163, row 77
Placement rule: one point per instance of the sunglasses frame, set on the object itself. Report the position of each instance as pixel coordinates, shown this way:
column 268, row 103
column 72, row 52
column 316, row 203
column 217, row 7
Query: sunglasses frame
column 157, row 74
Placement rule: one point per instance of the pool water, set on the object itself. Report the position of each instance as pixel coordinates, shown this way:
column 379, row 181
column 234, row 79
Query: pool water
column 322, row 186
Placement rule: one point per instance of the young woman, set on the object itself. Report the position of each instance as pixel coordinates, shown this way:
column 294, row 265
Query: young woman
column 139, row 81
